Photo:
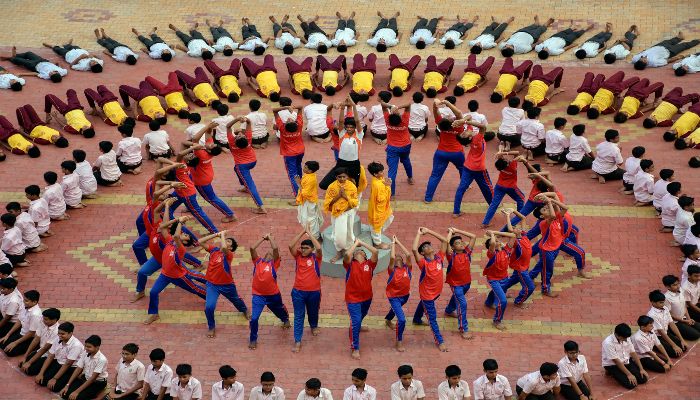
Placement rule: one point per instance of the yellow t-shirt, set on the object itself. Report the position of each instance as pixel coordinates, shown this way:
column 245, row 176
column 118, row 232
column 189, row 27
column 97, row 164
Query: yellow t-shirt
column 76, row 120
column 399, row 78
column 302, row 81
column 506, row 84
column 433, row 80
column 630, row 106
column 43, row 132
column 228, row 84
column 469, row 80
column 664, row 112
column 150, row 105
column 341, row 205
column 267, row 80
column 176, row 101
column 308, row 190
column 362, row 81
column 205, row 93
column 330, row 78
column 694, row 137
column 603, row 99
column 686, row 123
column 19, row 142
column 114, row 112
column 536, row 92
column 379, row 207
column 582, row 100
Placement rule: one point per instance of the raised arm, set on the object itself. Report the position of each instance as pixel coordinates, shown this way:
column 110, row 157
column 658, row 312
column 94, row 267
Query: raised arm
column 347, row 258
column 471, row 236
column 439, row 237
column 293, row 243
column 407, row 254
column 414, row 248
column 275, row 249
column 254, row 248
column 454, row 109
column 373, row 250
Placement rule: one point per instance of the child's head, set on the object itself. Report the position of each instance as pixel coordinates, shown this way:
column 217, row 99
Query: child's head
column 241, row 142
column 359, row 255
column 548, row 371
column 611, row 135
column 559, row 123
column 527, row 104
column 431, row 93
column 316, row 98
column 657, row 299
column 514, row 102
column 267, row 380
column 284, row 102
column 638, row 151
column 476, row 49
column 79, row 155
column 496, row 97
column 8, row 220
column 310, row 167
column 686, row 203
column 50, row 177
column 694, row 162
column 32, row 192
column 376, row 169
column 674, row 188
column 640, row 64
column 501, row 164
column 693, row 273
column 184, row 373
column 68, row 167
column 194, row 118
column 623, row 331
column 227, row 374
column 92, row 344
column 666, row 174
column 426, row 249
column 126, row 130
column 571, row 349
column 312, row 387
column 457, row 243
column 274, row 97
column 384, row 96
column 129, row 352
column 690, row 250
column 680, row 144
column 306, row 247
column 646, row 323
column 222, row 109
column 395, row 119
column 405, row 373
column 291, row 126
column 359, row 376
column 105, row 146
column 166, row 56
column 341, row 175
column 65, row 331
column 418, row 97
column 579, row 129
column 7, row 285
column 458, row 91
column 157, row 357
column 473, row 105
column 620, row 118
column 154, row 125
column 669, row 136
column 533, row 112
column 30, row 298
column 231, row 243
column 490, row 368
column 453, row 374
column 646, row 165
column 14, row 208
column 6, row 270
column 51, row 316
column 672, row 283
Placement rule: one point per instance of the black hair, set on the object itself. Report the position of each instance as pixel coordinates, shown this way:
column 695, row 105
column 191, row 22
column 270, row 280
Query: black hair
column 288, row 49
column 395, row 119
column 6, row 269
column 580, row 54
column 359, row 373
column 215, row 151
column 490, row 364
column 404, row 370
column 307, row 242
column 88, row 133
column 458, row 91
column 106, row 146
column 385, row 96
column 496, row 97
column 166, row 56
column 501, row 164
column 342, row 48
column 453, row 239
column 640, row 65
column 162, row 120
column 313, row 166
column 130, row 121
column 570, row 345
column 157, row 354
column 418, row 97
column 431, row 93
column 97, row 68
column 53, row 314
column 94, row 340
column 476, row 49
column 693, row 269
column 680, row 144
column 32, row 190
column 420, row 44
column 648, row 123
column 694, row 162
column 645, row 164
column 341, row 170
column 507, row 52
column 67, row 327
column 8, row 283
column 306, row 94
column 527, row 104
column 291, row 126
column 215, row 104
column 537, row 213
column 228, row 52
column 680, row 71
column 183, row 369
column 131, row 59
column 669, row 280
column 611, row 134
column 559, row 122
column 451, row 99
column 33, row 152
column 669, row 136
column 330, row 90
column 267, row 376
column 609, row 58
column 8, row 219
column 274, row 97
column 422, row 246
column 543, row 54
column 685, row 201
column 222, row 109
column 349, row 121
column 688, row 249
column 316, row 98
column 207, row 55
column 32, row 295
column 194, row 117
column 69, row 165
column 61, row 142
column 381, row 47
column 126, row 130
column 592, row 113
column 644, row 320
column 16, row 86
column 473, row 105
column 183, row 114
column 154, row 125
column 226, row 371
column 548, row 368
column 572, row 109
column 638, row 151
column 322, row 49
column 56, row 77
column 50, row 177
column 233, row 97
column 620, row 118
column 666, row 173
column 254, row 104
column 445, row 124
column 259, row 50
column 131, row 348
column 313, row 383
column 656, row 296
column 355, row 97
column 533, row 112
column 241, row 142
column 674, row 188
column 13, row 206
column 374, row 168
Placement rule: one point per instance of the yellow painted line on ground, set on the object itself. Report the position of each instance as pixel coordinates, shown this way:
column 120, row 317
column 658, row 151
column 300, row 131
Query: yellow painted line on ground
column 528, row 327
column 583, row 210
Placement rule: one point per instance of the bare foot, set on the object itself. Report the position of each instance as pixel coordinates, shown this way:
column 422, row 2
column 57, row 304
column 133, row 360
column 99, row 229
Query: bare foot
column 522, row 306
column 601, row 180
column 355, row 354
column 246, row 315
column 389, row 324
column 315, row 331
column 292, row 202
column 582, row 274
column 420, row 323
column 252, row 345
column 681, row 36
column 337, row 14
column 484, row 226
column 382, row 246
column 452, row 314
column 259, row 210
column 151, row 319
column 364, row 329
column 297, row 347
column 97, row 33
column 212, row 333
column 38, row 249
column 134, row 31
column 467, row 335
column 244, row 190
column 442, row 348
column 336, row 257
column 457, row 215
column 138, row 296
column 229, row 219
column 171, row 26
column 499, row 326
column 593, row 176
column 550, row 294
column 411, row 181
column 286, row 325
column 509, row 295
column 399, row 347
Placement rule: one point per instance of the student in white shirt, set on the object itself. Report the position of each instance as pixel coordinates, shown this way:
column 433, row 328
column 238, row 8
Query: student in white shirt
column 11, row 301
column 489, row 37
column 223, row 122
column 407, row 388
column 621, row 48
column 454, row 388
column 386, row 34
column 12, row 81
column 359, row 390
column 131, row 372
column 665, row 329
column 185, row 386
column 71, row 185
column 105, row 168
column 157, row 142
column 156, row 48
column 644, row 184
column 197, row 45
column 476, row 116
column 53, row 194
column 580, row 156
column 669, row 207
column 129, row 157
column 510, row 116
column 44, row 337
column 524, row 39
column 316, row 115
column 38, row 210
column 88, row 183
column 158, row 377
column 267, row 389
column 591, row 47
column 79, row 59
column 689, row 65
column 12, row 244
column 573, row 372
column 692, row 254
column 556, row 143
column 676, row 304
column 61, row 361
column 632, row 168
column 454, row 35
column 118, row 51
column 89, row 378
column 252, row 41
column 345, row 33
column 258, row 124
column 35, row 63
column 665, row 177
column 196, row 125
column 227, row 388
column 26, row 225
column 691, row 291
column 424, row 32
column 684, row 219
column 17, row 339
column 646, row 344
column 222, row 40
column 663, row 52
column 314, row 391
column 418, row 118
column 286, row 37
column 560, row 42
column 531, row 133
column 490, row 386
column 540, row 385
column 316, row 38
column 377, row 127
column 608, row 158
column 617, row 352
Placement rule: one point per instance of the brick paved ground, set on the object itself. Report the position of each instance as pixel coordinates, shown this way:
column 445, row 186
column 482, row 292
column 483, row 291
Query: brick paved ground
column 89, row 271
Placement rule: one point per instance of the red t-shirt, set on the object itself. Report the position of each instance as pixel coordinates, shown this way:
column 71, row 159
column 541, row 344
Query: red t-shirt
column 291, row 143
column 331, row 128
column 150, row 188
column 147, row 217
column 567, row 225
column 358, row 281
column 399, row 282
column 219, row 268
column 172, row 260
column 308, row 273
column 156, row 243
column 397, row 136
column 534, row 191
column 497, row 266
column 265, row 277
column 203, row 173
column 552, row 235
column 245, row 155
column 520, row 257
column 476, row 157
column 459, row 268
column 448, row 139
column 431, row 277
column 509, row 176
column 184, row 175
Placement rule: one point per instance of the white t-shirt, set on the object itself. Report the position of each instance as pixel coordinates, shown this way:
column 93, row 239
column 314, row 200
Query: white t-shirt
column 349, row 148
column 258, row 124
column 129, row 150
column 156, row 51
column 684, row 220
column 6, row 78
column 220, row 131
column 446, row 392
column 361, row 114
column 44, row 70
column 158, row 379
column 660, row 191
column 389, row 36
column 414, row 390
column 12, row 243
column 347, row 35
column 522, row 42
column 315, row 115
column 192, row 390
column 657, row 56
column 122, row 52
column 675, row 302
column 316, row 39
column 644, row 343
column 352, row 393
column 555, row 142
column 531, row 132
column 157, row 141
column 485, row 390
column 422, row 34
column 554, row 46
column 418, row 116
column 107, row 163
column 39, row 211
column 251, row 44
column 97, row 363
column 26, row 225
column 591, row 49
column 487, row 41
column 194, row 129
column 224, row 41
column 454, row 36
column 128, row 375
column 478, row 118
column 619, row 51
column 88, row 183
column 643, row 187
column 84, row 64
column 692, row 62
column 53, row 195
column 631, row 169
column 71, row 189
column 669, row 209
column 607, row 158
column 533, row 383
column 285, row 38
column 376, row 118
column 196, row 46
column 509, row 118
column 574, row 370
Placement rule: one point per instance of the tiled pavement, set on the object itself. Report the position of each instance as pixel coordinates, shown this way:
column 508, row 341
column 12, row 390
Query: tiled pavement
column 89, row 271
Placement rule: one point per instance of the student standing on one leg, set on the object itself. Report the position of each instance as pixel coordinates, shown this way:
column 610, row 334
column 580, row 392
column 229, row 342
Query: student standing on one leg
column 617, row 354
column 474, row 168
column 306, row 292
column 496, row 272
column 459, row 277
column 188, row 194
column 573, row 372
column 358, row 288
column 266, row 292
column 430, row 284
column 507, row 184
column 449, row 149
column 398, row 289
column 651, row 353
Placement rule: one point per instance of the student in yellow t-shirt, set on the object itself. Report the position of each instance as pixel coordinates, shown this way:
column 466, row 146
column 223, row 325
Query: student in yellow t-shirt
column 584, row 98
column 144, row 95
column 474, row 75
column 634, row 104
column 401, row 73
column 72, row 112
column 309, row 213
column 198, row 88
column 607, row 95
column 106, row 105
column 510, row 75
column 379, row 211
column 263, row 78
column 538, row 91
column 340, row 201
column 38, row 132
column 226, row 80
column 172, row 93
column 327, row 77
column 685, row 124
column 437, row 77
column 363, row 71
column 669, row 106
column 15, row 141
column 300, row 76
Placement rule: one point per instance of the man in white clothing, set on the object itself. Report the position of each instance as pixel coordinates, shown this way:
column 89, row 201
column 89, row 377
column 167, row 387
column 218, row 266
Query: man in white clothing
column 345, row 33
column 453, row 35
column 643, row 187
column 223, row 41
column 316, row 115
column 79, row 59
column 316, row 38
column 360, row 390
column 608, row 158
column 560, row 42
column 663, row 52
column 26, row 225
column 267, row 389
column 424, row 32
column 314, row 391
column 541, row 385
column 523, row 40
column 118, row 51
column 621, row 48
column 387, row 33
column 591, row 47
column 688, row 65
column 491, row 385
column 196, row 44
column 407, row 388
column 531, row 133
column 556, row 143
column 35, row 63
column 156, row 48
column 573, row 372
column 286, row 37
column 490, row 36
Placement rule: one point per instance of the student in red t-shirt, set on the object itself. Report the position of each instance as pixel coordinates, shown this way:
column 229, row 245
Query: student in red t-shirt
column 540, row 182
column 173, row 271
column 265, row 289
column 459, row 277
column 474, row 168
column 551, row 227
column 431, row 279
column 203, row 170
column 398, row 289
column 358, row 288
column 519, row 260
column 220, row 279
column 507, row 184
column 291, row 144
column 306, row 293
column 398, row 141
column 496, row 271
column 244, row 159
